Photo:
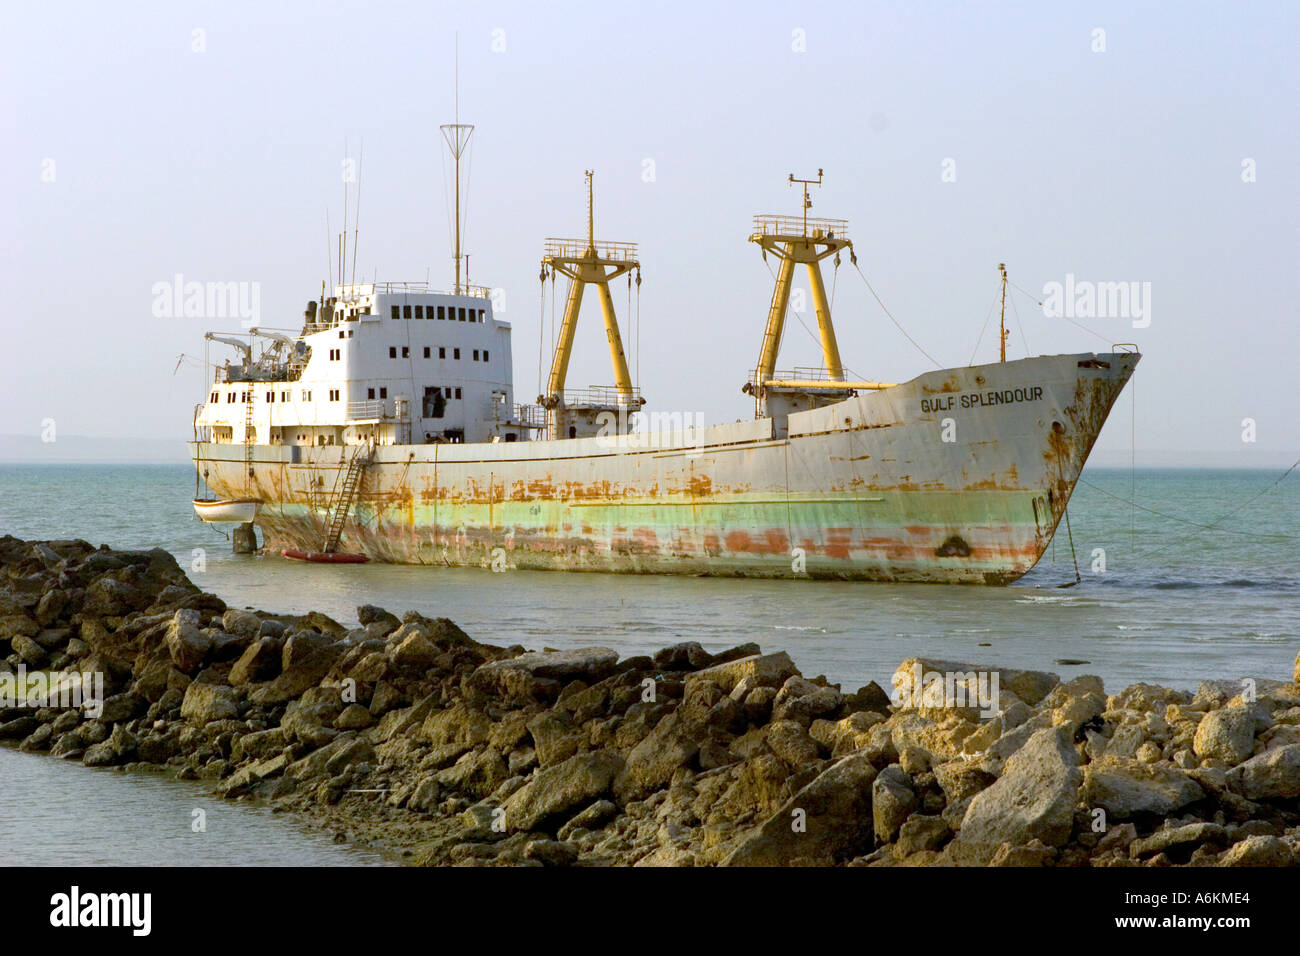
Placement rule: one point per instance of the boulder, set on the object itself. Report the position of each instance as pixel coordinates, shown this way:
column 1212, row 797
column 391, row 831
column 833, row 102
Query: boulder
column 923, row 682
column 892, row 801
column 686, row 656
column 186, row 643
column 368, row 614
column 207, row 702
column 1034, row 853
column 306, row 658
column 455, row 730
column 765, row 670
column 1272, row 775
column 834, row 823
column 32, row 653
column 1126, row 788
column 1227, row 734
column 650, row 765
column 243, row 623
column 1259, row 851
column 589, row 664
column 919, row 833
column 415, row 653
column 118, row 748
column 554, row 790
column 254, row 773
column 791, row 742
column 354, row 717
column 259, row 662
column 592, row 818
column 1183, row 838
column 551, row 853
column 122, row 707
column 109, row 597
column 1033, row 799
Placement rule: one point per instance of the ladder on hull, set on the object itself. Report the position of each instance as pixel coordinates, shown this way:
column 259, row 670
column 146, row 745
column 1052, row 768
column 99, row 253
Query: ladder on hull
column 344, row 495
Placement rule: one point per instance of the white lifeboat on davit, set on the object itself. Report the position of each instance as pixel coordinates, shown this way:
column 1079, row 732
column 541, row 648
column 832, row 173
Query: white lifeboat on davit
column 224, row 510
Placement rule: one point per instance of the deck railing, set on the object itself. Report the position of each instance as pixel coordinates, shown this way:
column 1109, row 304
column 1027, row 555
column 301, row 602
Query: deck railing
column 579, row 248
column 608, row 395
column 794, row 226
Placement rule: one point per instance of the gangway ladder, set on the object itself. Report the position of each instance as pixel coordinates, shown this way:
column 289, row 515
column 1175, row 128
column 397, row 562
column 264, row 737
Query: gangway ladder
column 248, row 440
column 346, row 494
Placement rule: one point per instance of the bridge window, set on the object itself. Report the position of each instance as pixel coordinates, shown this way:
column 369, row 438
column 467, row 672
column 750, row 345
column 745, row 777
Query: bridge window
column 270, row 396
column 441, row 313
column 455, row 353
column 383, row 393
column 426, row 351
column 406, row 311
column 442, row 352
column 397, row 313
column 476, row 355
column 458, row 393
column 461, row 314
column 334, row 394
column 481, row 314
column 370, row 393
column 392, row 352
column 419, row 311
column 406, row 352
column 485, row 357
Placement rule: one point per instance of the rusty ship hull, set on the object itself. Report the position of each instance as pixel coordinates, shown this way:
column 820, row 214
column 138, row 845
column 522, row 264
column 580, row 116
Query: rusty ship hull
column 957, row 476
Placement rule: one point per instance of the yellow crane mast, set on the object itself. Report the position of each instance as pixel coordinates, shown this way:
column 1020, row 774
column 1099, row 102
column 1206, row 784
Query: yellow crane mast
column 589, row 262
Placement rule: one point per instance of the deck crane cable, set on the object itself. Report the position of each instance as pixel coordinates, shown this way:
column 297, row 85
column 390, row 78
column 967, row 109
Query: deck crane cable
column 799, row 315
column 897, row 324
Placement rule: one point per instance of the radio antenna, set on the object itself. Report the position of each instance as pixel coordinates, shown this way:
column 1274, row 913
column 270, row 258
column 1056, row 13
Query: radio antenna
column 356, row 221
column 457, row 135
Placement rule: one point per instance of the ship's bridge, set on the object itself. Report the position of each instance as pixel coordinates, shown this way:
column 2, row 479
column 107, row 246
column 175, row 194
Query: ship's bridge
column 388, row 362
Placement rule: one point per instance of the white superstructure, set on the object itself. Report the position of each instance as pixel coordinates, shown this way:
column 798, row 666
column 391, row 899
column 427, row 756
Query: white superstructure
column 389, row 363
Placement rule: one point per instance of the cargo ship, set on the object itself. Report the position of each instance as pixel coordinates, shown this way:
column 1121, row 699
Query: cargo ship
column 387, row 428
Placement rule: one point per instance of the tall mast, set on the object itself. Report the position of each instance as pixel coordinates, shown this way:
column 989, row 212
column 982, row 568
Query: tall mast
column 591, row 214
column 1002, row 322
column 457, row 135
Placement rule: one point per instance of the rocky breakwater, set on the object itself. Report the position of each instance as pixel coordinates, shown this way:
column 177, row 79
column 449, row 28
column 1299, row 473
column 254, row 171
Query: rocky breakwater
column 406, row 733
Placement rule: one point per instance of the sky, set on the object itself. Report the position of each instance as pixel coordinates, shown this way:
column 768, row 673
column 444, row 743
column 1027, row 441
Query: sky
column 1077, row 143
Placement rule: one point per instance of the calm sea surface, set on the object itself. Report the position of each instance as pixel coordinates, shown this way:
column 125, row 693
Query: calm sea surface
column 1178, row 601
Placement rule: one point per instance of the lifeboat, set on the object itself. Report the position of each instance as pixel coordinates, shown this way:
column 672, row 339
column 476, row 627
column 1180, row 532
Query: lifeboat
column 324, row 557
column 223, row 510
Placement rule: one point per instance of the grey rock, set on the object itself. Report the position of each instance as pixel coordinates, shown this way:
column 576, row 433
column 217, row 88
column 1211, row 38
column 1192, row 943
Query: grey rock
column 1126, row 788
column 1272, row 775
column 554, row 790
column 1033, row 799
column 892, row 801
column 835, row 823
